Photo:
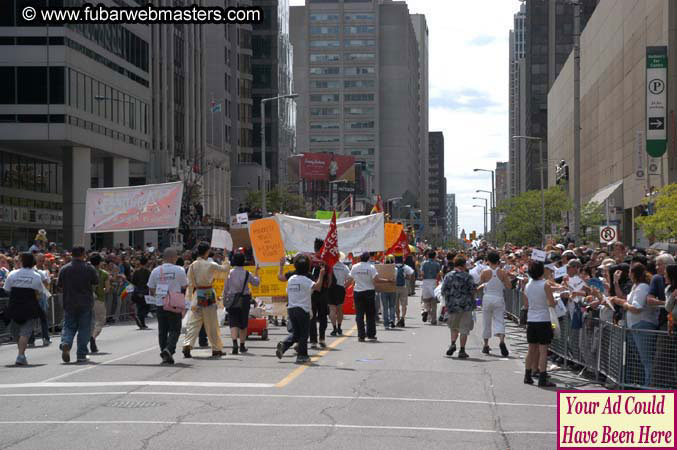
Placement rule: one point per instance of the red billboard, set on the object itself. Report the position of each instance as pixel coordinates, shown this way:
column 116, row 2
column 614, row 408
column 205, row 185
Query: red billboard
column 327, row 167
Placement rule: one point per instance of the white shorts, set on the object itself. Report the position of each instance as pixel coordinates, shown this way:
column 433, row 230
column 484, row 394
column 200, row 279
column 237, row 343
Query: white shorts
column 428, row 289
column 493, row 309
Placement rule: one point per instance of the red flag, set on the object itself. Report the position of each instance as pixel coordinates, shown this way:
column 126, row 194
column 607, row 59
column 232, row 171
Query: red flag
column 329, row 253
column 400, row 246
column 378, row 207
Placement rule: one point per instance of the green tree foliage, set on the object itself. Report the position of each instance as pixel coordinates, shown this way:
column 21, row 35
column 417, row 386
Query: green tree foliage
column 279, row 200
column 521, row 222
column 662, row 225
column 592, row 216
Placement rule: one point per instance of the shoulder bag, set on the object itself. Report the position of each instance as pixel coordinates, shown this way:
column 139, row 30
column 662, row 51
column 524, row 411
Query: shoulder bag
column 235, row 301
column 174, row 302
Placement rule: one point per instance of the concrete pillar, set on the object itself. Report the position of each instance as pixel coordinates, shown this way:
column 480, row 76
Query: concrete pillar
column 77, row 167
column 116, row 174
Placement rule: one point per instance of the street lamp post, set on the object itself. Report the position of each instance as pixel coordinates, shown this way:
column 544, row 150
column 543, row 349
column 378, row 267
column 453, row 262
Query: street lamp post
column 493, row 199
column 543, row 166
column 300, row 157
column 485, row 215
column 264, row 211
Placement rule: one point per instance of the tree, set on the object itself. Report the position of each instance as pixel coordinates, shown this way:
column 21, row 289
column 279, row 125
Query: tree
column 662, row 225
column 591, row 217
column 278, row 200
column 521, row 222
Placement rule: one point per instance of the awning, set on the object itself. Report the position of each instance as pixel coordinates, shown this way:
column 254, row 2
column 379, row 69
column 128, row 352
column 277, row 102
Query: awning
column 606, row 192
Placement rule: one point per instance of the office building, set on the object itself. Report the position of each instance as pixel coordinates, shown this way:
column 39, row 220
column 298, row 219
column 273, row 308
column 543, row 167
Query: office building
column 437, row 186
column 272, row 77
column 422, row 39
column 76, row 111
column 517, row 105
column 356, row 68
column 452, row 218
column 502, row 182
column 549, row 41
column 613, row 110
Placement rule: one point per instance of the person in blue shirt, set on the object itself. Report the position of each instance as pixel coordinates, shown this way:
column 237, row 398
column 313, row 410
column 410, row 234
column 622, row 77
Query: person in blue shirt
column 431, row 271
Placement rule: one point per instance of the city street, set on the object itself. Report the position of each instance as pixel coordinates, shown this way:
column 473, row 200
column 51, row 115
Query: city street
column 401, row 392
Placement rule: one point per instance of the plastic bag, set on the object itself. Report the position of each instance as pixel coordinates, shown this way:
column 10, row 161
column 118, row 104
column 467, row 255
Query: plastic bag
column 185, row 320
column 221, row 314
column 554, row 321
column 560, row 309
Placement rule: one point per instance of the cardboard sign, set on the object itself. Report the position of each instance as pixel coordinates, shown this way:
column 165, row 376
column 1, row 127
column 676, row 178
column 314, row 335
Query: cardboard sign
column 392, row 233
column 538, row 255
column 386, row 271
column 242, row 218
column 222, row 239
column 240, row 238
column 266, row 241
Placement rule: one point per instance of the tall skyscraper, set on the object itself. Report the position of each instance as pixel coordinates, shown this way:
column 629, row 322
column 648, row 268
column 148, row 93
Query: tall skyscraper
column 421, row 31
column 272, row 77
column 356, row 68
column 452, row 218
column 75, row 112
column 437, row 183
column 502, row 183
column 517, row 100
column 549, row 41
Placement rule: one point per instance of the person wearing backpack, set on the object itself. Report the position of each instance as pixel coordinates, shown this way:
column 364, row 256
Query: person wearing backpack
column 403, row 275
column 167, row 278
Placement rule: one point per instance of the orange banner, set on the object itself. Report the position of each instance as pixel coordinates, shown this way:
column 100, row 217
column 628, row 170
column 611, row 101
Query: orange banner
column 392, row 233
column 266, row 241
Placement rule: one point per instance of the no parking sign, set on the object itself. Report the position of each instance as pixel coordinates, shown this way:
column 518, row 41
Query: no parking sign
column 608, row 234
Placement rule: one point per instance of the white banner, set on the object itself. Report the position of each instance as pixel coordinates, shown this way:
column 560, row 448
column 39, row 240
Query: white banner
column 355, row 234
column 149, row 207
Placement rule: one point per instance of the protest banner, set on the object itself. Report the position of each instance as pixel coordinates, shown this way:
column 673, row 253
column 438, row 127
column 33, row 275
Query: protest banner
column 355, row 234
column 222, row 239
column 266, row 241
column 270, row 286
column 148, row 207
column 392, row 233
column 386, row 271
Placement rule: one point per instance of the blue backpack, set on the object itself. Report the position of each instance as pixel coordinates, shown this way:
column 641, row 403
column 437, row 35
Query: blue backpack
column 399, row 280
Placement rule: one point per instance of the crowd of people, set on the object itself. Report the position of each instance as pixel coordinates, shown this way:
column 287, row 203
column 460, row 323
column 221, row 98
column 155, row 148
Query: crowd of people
column 631, row 288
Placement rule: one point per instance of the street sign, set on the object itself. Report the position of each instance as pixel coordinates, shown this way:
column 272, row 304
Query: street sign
column 656, row 100
column 608, row 234
column 640, row 173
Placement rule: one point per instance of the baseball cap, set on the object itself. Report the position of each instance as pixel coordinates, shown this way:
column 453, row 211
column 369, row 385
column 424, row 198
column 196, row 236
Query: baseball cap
column 574, row 263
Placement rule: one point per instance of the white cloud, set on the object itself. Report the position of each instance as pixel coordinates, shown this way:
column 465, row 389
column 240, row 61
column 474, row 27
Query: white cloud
column 468, row 55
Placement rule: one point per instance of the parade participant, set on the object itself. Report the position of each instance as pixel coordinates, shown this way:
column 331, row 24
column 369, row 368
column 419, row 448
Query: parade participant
column 388, row 302
column 337, row 294
column 364, row 273
column 410, row 261
column 44, row 299
column 76, row 280
column 166, row 278
column 403, row 276
column 538, row 297
column 99, row 309
column 203, row 301
column 494, row 281
column 299, row 290
column 431, row 276
column 24, row 287
column 320, row 299
column 140, row 282
column 238, row 315
column 458, row 290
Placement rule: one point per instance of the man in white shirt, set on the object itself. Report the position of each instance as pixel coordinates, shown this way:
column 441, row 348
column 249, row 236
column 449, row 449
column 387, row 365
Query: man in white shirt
column 364, row 273
column 164, row 279
column 24, row 287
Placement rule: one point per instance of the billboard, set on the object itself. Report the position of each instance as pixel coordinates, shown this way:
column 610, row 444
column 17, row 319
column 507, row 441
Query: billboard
column 327, row 167
column 149, row 207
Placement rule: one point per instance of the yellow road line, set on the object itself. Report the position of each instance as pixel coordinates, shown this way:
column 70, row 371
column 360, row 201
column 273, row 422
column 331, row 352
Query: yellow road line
column 298, row 371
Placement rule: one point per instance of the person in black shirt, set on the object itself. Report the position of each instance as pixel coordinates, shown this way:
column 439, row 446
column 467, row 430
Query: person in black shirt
column 140, row 282
column 76, row 280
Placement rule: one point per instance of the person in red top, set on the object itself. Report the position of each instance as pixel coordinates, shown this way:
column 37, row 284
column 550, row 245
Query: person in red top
column 320, row 299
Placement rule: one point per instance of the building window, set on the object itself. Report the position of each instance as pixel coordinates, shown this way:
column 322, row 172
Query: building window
column 359, row 43
column 326, row 17
column 324, row 139
column 359, row 138
column 325, row 70
column 262, row 76
column 324, row 98
column 323, row 31
column 319, row 84
column 358, row 125
column 32, row 85
column 360, row 151
column 324, row 44
column 8, row 90
column 324, row 57
column 358, row 97
column 358, row 110
column 359, row 84
column 360, row 56
column 360, row 70
column 324, row 125
column 359, row 29
column 354, row 17
column 324, row 111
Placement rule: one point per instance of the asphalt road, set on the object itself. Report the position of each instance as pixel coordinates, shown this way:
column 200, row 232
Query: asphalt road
column 401, row 392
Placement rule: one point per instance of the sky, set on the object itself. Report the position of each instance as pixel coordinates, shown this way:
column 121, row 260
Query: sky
column 468, row 77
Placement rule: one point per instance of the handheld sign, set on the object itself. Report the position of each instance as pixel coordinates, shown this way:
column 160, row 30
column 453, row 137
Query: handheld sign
column 266, row 241
column 222, row 239
column 538, row 255
column 242, row 218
